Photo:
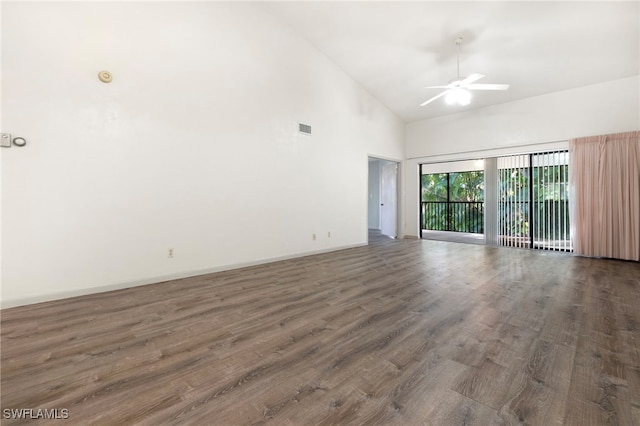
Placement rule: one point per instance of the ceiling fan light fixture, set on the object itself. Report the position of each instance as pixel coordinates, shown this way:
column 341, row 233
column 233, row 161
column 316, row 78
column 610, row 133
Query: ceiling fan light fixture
column 458, row 91
column 458, row 96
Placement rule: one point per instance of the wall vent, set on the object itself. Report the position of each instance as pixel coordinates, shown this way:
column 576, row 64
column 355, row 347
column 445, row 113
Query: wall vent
column 304, row 129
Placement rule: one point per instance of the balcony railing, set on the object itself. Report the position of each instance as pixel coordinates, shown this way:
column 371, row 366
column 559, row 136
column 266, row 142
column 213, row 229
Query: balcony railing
column 549, row 228
column 456, row 216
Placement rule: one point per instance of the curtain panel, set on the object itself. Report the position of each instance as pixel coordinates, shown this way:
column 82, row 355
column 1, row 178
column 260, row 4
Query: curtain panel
column 604, row 179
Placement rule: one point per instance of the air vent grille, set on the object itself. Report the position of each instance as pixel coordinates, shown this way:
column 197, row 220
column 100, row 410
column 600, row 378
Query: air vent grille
column 304, row 128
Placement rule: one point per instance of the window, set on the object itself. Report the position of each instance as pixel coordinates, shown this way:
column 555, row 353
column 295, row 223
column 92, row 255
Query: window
column 453, row 202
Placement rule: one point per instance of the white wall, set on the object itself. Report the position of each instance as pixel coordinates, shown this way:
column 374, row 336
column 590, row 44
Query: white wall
column 193, row 146
column 541, row 122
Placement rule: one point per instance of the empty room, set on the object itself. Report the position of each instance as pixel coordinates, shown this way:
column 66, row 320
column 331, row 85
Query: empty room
column 320, row 213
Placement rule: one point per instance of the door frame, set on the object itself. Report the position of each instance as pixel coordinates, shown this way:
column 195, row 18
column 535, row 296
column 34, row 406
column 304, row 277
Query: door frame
column 398, row 191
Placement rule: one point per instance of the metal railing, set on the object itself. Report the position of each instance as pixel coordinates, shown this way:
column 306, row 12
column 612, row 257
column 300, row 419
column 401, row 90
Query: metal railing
column 456, row 216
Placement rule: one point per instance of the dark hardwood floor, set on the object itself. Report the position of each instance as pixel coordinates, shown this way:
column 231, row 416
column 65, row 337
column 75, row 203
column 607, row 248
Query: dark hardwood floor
column 399, row 332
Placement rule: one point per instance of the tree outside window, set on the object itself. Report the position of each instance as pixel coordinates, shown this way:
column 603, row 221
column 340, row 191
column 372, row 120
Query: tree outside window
column 453, row 201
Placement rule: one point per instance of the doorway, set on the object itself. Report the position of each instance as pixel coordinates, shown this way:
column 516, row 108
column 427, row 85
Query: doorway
column 383, row 197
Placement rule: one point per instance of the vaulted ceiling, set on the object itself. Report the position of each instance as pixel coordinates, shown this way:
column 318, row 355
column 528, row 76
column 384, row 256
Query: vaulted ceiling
column 395, row 49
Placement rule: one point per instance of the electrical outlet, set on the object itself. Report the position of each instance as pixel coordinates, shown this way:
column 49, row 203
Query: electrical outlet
column 313, row 237
column 170, row 253
column 328, row 234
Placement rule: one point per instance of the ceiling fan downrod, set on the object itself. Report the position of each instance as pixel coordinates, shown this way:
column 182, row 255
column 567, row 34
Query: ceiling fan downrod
column 458, row 42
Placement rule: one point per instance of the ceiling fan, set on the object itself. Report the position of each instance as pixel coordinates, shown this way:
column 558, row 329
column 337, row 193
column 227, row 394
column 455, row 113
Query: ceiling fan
column 458, row 89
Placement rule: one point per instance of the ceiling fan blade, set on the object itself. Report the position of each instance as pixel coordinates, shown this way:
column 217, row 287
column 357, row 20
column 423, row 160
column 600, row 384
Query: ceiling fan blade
column 437, row 87
column 472, row 78
column 434, row 98
column 487, row 86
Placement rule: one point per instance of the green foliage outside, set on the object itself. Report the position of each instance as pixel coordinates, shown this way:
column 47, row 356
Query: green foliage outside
column 458, row 210
column 455, row 210
column 513, row 187
column 550, row 197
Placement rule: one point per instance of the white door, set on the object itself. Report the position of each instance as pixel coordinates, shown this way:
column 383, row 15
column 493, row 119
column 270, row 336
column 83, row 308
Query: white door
column 388, row 198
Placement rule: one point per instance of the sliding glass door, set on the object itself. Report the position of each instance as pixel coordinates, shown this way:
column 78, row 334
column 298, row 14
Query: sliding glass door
column 533, row 209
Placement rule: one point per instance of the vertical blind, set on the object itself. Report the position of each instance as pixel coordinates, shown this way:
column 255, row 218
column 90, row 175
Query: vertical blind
column 533, row 202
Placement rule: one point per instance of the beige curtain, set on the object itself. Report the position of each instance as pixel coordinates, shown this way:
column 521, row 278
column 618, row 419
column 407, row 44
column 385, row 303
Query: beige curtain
column 604, row 177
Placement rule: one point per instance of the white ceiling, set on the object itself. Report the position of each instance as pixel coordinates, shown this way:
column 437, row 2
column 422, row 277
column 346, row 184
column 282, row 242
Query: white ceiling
column 395, row 49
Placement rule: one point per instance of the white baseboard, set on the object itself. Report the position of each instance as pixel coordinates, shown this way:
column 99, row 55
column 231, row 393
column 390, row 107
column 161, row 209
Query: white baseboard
column 22, row 301
column 411, row 237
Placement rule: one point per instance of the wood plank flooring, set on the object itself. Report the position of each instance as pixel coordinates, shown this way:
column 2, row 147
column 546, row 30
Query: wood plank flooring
column 400, row 332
